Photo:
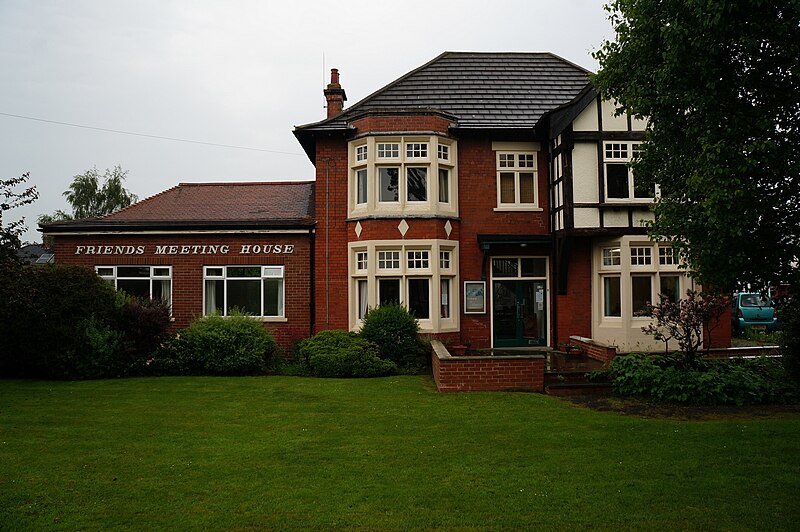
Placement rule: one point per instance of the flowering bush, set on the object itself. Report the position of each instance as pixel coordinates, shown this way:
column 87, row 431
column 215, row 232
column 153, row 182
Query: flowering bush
column 685, row 322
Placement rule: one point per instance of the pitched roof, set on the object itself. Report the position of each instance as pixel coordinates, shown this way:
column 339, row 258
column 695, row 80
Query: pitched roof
column 483, row 90
column 211, row 205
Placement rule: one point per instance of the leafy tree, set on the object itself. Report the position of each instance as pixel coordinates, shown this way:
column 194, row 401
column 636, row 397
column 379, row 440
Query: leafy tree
column 10, row 232
column 719, row 82
column 90, row 198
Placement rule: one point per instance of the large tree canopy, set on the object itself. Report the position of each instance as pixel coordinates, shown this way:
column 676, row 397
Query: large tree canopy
column 719, row 82
column 90, row 198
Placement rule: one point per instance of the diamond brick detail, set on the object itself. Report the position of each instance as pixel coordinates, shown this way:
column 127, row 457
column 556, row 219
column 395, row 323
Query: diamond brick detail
column 403, row 227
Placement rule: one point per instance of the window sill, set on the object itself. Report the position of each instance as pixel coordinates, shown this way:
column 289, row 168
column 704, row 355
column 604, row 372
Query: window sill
column 272, row 319
column 518, row 208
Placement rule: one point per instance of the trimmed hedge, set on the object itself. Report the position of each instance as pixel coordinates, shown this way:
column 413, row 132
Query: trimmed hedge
column 396, row 333
column 710, row 382
column 214, row 345
column 343, row 354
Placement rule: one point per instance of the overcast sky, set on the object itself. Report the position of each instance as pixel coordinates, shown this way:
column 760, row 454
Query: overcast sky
column 239, row 73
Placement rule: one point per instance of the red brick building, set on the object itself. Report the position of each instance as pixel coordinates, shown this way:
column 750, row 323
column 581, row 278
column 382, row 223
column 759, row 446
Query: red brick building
column 488, row 192
column 208, row 248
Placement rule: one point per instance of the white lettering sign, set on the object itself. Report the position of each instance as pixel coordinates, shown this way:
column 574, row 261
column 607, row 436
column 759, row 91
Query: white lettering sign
column 187, row 249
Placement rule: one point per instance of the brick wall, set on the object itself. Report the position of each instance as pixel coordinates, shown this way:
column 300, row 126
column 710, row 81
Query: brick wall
column 477, row 180
column 187, row 270
column 593, row 349
column 418, row 229
column 486, row 373
column 400, row 123
column 477, row 196
column 574, row 309
column 330, row 278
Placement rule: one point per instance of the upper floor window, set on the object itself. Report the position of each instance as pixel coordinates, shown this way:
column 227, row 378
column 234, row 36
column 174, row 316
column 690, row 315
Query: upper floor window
column 388, row 150
column 361, row 186
column 516, row 181
column 394, row 175
column 417, row 150
column 620, row 183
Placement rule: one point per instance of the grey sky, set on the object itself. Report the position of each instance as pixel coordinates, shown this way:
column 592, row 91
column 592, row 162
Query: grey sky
column 239, row 73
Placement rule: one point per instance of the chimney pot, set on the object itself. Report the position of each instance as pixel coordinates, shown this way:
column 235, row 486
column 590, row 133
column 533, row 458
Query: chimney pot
column 334, row 95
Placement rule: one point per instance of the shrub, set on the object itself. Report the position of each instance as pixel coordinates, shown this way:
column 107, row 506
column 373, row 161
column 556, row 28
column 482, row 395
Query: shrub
column 343, row 354
column 58, row 323
column 213, row 345
column 396, row 333
column 738, row 381
column 143, row 323
column 685, row 321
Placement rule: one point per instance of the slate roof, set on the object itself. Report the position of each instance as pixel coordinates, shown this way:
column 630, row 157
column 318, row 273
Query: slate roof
column 483, row 90
column 210, row 205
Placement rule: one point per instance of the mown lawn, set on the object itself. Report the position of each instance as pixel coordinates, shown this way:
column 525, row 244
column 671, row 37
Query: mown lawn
column 285, row 452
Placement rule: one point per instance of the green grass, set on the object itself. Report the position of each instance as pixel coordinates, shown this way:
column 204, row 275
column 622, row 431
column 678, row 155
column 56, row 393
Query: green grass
column 290, row 452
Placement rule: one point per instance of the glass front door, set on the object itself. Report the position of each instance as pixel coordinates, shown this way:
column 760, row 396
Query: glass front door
column 519, row 310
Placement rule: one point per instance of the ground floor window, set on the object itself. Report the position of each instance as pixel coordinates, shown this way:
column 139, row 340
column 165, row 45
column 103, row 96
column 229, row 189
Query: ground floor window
column 419, row 298
column 612, row 301
column 154, row 282
column 255, row 290
column 403, row 272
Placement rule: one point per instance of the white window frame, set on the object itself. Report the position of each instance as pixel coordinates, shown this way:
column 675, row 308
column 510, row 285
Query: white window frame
column 641, row 256
column 362, row 153
column 418, row 259
column 412, row 152
column 514, row 157
column 267, row 272
column 444, row 260
column 114, row 276
column 622, row 152
column 417, row 150
column 383, row 259
column 362, row 261
column 611, row 257
column 405, row 261
column 389, row 149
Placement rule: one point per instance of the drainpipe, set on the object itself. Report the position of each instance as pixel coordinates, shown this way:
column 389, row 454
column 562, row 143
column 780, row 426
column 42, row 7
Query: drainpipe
column 312, row 314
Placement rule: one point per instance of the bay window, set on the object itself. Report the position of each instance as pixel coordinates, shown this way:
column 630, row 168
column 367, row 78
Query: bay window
column 634, row 274
column 418, row 274
column 405, row 174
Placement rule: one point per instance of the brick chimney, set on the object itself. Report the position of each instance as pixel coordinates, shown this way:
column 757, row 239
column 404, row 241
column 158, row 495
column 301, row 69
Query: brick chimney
column 335, row 95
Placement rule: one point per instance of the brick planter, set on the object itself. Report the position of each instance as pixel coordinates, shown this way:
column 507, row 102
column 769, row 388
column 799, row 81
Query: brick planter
column 486, row 373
